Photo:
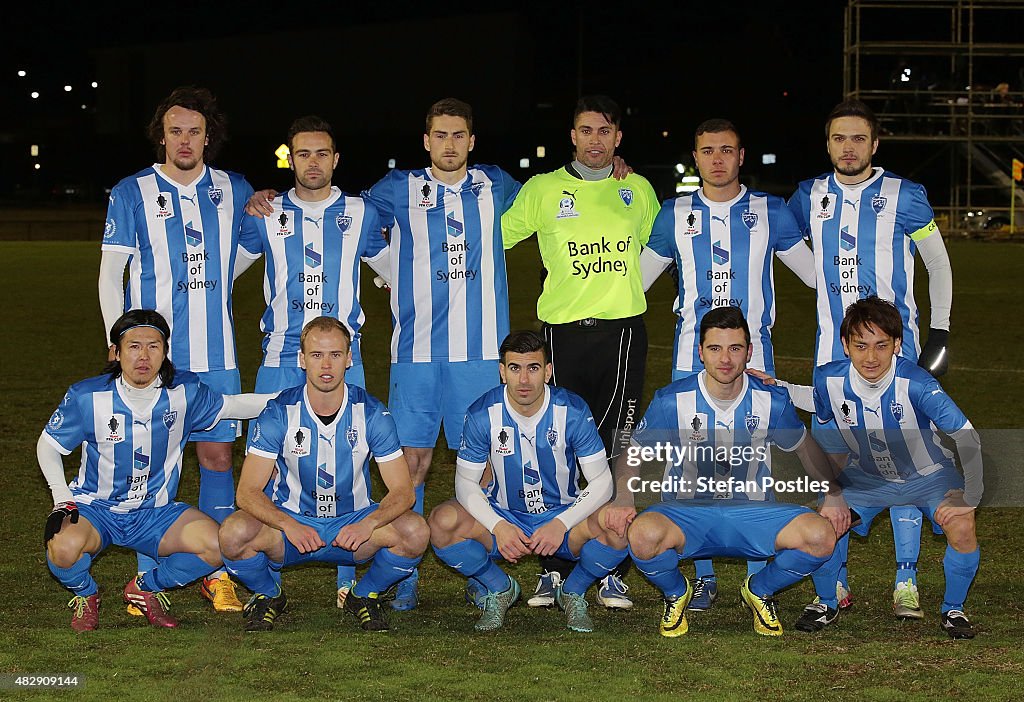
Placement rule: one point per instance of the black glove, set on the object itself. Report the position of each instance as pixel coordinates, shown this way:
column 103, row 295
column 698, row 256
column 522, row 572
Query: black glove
column 56, row 519
column 935, row 354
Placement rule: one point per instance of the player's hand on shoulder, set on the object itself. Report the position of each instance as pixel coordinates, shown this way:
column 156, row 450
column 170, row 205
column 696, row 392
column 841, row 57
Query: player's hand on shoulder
column 304, row 538
column 618, row 518
column 54, row 522
column 546, row 540
column 352, row 536
column 620, row 169
column 512, row 542
column 762, row 376
column 259, row 203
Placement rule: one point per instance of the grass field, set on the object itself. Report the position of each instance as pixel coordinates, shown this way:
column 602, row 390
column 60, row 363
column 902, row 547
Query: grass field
column 54, row 338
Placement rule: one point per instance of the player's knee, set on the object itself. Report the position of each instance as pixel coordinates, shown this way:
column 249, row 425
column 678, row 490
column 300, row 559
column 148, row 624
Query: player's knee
column 645, row 537
column 819, row 538
column 64, row 550
column 413, row 535
column 234, row 535
column 444, row 520
column 215, row 456
column 960, row 533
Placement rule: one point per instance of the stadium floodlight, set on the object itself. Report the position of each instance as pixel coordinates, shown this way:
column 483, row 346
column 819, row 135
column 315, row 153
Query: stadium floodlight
column 67, row 88
column 34, row 95
column 282, row 156
column 37, row 166
column 541, row 152
column 524, row 163
column 392, row 163
column 767, row 159
column 95, row 84
column 680, row 168
column 664, row 133
column 22, row 74
column 33, row 150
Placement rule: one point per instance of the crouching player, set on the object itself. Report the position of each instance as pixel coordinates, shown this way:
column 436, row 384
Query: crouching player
column 718, row 425
column 320, row 437
column 532, row 434
column 133, row 424
column 880, row 416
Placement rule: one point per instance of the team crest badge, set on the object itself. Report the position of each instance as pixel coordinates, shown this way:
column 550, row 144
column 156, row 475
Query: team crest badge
column 343, row 222
column 352, row 436
column 749, row 218
column 502, row 442
column 897, row 410
column 216, row 195
column 627, row 196
column 878, row 203
column 752, row 422
column 476, row 188
column 56, row 420
column 552, row 436
column 169, row 418
column 109, row 229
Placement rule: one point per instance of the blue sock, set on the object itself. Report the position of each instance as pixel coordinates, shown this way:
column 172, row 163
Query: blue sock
column 906, row 536
column 76, row 577
column 216, row 494
column 256, row 574
column 174, row 571
column 960, row 569
column 145, row 563
column 418, row 506
column 844, row 576
column 704, row 568
column 754, row 567
column 906, row 570
column 827, row 575
column 346, row 575
column 470, row 559
column 789, row 566
column 663, row 572
column 386, row 570
column 596, row 561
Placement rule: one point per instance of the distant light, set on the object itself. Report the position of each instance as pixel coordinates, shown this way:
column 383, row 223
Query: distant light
column 34, row 95
column 691, row 180
column 83, row 107
column 785, row 93
column 21, row 74
column 541, row 152
column 33, row 150
column 95, row 84
column 282, row 156
column 37, row 166
column 680, row 168
column 688, row 184
column 392, row 163
column 664, row 133
column 767, row 159
column 67, row 88
column 904, row 78
column 524, row 163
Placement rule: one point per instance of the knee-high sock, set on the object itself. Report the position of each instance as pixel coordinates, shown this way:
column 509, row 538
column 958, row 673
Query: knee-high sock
column 663, row 572
column 386, row 570
column 216, row 494
column 827, row 575
column 960, row 569
column 76, row 577
column 754, row 567
column 906, row 535
column 470, row 559
column 175, row 570
column 418, row 505
column 596, row 561
column 145, row 563
column 256, row 574
column 704, row 568
column 789, row 566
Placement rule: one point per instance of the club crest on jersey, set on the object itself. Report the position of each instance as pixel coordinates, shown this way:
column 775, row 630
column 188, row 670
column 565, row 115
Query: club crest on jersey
column 256, row 433
column 352, row 436
column 109, row 229
column 297, row 442
column 284, row 225
column 164, row 209
column 699, row 427
column 552, row 436
column 476, row 188
column 878, row 203
column 627, row 196
column 115, row 429
column 567, row 205
column 216, row 195
column 169, row 418
column 749, row 218
column 826, row 207
column 692, row 222
column 56, row 420
column 502, row 441
column 752, row 422
column 343, row 222
column 848, row 413
column 897, row 410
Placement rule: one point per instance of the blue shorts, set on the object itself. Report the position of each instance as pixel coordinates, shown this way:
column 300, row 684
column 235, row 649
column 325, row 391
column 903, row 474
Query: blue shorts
column 529, row 523
column 328, row 528
column 140, row 530
column 868, row 495
column 226, row 382
column 732, row 529
column 424, row 393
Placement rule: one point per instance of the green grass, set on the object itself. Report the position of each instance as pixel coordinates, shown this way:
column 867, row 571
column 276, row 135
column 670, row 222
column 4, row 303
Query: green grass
column 432, row 652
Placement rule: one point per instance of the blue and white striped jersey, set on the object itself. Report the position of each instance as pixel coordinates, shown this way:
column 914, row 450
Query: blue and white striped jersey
column 130, row 460
column 891, row 435
column 324, row 471
column 535, row 467
column 312, row 267
column 449, row 294
column 863, row 240
column 182, row 243
column 723, row 251
column 712, row 444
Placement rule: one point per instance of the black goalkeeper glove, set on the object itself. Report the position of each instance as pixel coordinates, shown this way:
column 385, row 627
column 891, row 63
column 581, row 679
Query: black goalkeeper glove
column 56, row 519
column 935, row 354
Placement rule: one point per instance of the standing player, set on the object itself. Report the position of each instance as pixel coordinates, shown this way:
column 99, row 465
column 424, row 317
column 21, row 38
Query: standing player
column 722, row 239
column 881, row 415
column 313, row 240
column 590, row 229
column 132, row 423
column 315, row 441
column 722, row 422
column 865, row 225
column 532, row 435
column 176, row 224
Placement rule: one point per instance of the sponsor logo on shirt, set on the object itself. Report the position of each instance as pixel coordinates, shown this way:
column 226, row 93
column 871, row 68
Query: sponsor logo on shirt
column 567, row 205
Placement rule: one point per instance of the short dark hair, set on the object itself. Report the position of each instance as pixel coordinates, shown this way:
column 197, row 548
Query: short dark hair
column 324, row 324
column 716, row 125
column 599, row 103
column 310, row 123
column 853, row 108
column 872, row 312
column 141, row 318
column 450, row 107
column 724, row 318
column 525, row 341
column 198, row 100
